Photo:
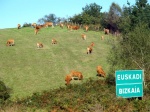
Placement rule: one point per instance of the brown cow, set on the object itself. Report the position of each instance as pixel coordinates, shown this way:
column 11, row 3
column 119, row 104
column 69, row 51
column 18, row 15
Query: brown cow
column 18, row 26
column 89, row 50
column 102, row 37
column 38, row 27
column 106, row 31
column 83, row 36
column 10, row 42
column 76, row 74
column 61, row 25
column 100, row 71
column 92, row 44
column 54, row 41
column 68, row 78
column 86, row 27
column 34, row 25
column 39, row 45
column 47, row 24
column 68, row 27
column 74, row 27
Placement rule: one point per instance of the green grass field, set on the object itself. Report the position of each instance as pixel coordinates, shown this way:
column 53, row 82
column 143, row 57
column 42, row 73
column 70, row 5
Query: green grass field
column 26, row 69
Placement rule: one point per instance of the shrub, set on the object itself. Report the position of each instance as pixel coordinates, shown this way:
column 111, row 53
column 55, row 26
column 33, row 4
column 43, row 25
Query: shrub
column 4, row 92
column 26, row 25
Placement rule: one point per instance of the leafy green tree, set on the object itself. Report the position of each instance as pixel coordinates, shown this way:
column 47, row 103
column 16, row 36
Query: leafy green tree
column 140, row 12
column 132, row 15
column 114, row 15
column 48, row 18
column 103, row 20
column 90, row 15
column 93, row 10
column 77, row 19
column 132, row 53
column 26, row 25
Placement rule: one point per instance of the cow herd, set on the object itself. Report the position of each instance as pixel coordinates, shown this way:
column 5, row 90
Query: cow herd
column 73, row 75
column 76, row 75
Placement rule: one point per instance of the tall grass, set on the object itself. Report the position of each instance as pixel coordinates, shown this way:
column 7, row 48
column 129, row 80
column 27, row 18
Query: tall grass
column 26, row 69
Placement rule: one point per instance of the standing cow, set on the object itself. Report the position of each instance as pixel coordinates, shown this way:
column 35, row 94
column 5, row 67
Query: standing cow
column 54, row 41
column 86, row 28
column 39, row 45
column 83, row 36
column 68, row 78
column 18, row 26
column 10, row 42
column 106, row 31
column 76, row 74
column 89, row 49
column 100, row 71
column 47, row 24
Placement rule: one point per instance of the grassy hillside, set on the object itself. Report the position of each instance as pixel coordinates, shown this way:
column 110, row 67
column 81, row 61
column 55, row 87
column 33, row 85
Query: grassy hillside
column 26, row 69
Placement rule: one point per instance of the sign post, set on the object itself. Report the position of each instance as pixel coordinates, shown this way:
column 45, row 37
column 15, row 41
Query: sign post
column 129, row 83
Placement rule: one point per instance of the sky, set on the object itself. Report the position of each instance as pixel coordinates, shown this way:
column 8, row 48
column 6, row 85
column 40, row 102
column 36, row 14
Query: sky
column 13, row 12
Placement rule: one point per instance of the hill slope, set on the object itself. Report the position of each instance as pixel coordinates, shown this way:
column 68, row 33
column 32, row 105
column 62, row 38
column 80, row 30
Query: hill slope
column 26, row 69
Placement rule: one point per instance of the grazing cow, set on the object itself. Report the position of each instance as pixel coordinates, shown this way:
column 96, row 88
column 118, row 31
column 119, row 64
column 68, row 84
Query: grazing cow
column 68, row 27
column 89, row 50
column 61, row 25
column 36, row 31
column 76, row 74
column 102, row 37
column 68, row 78
column 10, row 42
column 38, row 27
column 100, row 71
column 18, row 26
column 54, row 41
column 73, row 27
column 39, row 45
column 34, row 25
column 47, row 24
column 73, row 75
column 83, row 36
column 106, row 31
column 86, row 27
column 92, row 44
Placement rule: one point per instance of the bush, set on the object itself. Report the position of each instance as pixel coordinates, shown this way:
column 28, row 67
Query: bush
column 26, row 25
column 132, row 51
column 4, row 92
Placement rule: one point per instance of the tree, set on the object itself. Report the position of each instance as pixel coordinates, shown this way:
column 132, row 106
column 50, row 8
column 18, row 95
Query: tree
column 26, row 25
column 48, row 18
column 90, row 15
column 133, row 52
column 114, row 15
column 93, row 10
column 133, row 15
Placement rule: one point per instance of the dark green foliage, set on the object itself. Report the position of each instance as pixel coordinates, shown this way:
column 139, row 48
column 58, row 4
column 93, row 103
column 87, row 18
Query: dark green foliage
column 132, row 51
column 114, row 15
column 26, row 25
column 89, row 15
column 48, row 18
column 4, row 92
column 133, row 15
column 93, row 95
column 92, row 9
